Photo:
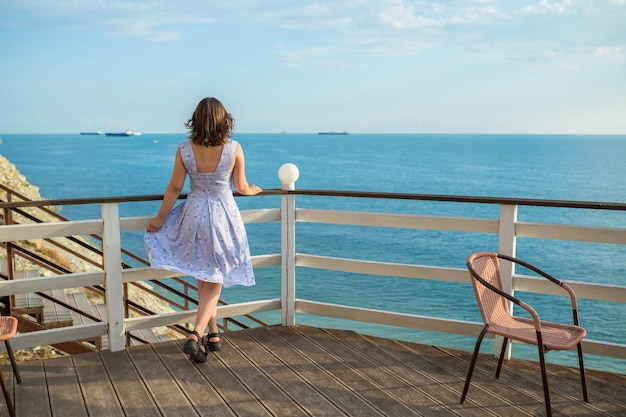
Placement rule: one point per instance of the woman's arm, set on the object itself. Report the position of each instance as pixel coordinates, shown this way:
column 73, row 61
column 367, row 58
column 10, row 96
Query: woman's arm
column 239, row 175
column 172, row 192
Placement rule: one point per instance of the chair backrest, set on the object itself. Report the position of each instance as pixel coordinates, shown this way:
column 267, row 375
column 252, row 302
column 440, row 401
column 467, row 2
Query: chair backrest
column 494, row 308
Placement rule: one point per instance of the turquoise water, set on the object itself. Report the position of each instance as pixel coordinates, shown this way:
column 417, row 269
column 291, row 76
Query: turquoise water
column 564, row 167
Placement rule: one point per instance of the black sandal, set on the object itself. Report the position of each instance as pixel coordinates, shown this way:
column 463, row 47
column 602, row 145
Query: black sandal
column 213, row 346
column 196, row 350
column 191, row 347
column 200, row 356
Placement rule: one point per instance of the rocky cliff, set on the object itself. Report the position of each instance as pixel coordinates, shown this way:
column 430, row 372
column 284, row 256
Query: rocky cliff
column 11, row 178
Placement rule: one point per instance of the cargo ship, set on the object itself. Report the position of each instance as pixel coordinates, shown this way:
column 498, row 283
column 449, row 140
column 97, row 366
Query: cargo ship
column 125, row 133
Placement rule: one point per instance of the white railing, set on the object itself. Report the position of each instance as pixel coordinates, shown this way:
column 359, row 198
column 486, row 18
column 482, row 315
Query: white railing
column 113, row 276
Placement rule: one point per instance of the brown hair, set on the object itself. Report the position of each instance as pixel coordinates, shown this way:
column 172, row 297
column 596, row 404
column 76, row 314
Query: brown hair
column 211, row 124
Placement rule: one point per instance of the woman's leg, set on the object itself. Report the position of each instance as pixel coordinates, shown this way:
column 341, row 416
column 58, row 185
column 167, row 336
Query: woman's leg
column 208, row 296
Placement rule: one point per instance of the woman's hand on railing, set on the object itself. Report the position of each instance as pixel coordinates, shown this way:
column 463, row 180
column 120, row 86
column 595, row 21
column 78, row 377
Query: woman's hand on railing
column 154, row 225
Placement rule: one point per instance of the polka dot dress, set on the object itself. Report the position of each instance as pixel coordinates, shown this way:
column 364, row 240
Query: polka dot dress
column 204, row 237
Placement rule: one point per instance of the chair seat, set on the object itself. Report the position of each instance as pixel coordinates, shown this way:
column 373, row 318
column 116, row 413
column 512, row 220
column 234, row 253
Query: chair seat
column 8, row 327
column 555, row 336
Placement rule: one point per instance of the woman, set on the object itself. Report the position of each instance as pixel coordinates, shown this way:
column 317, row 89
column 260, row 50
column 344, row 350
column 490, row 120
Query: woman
column 205, row 237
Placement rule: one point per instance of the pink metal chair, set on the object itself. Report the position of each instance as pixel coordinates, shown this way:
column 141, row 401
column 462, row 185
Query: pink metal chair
column 8, row 328
column 484, row 268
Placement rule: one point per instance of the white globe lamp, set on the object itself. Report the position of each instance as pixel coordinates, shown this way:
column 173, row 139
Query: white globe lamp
column 288, row 174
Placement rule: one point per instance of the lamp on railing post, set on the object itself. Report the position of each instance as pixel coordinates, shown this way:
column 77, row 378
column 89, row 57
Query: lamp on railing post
column 288, row 174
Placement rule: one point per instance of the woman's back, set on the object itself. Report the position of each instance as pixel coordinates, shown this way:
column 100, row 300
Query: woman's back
column 207, row 157
column 216, row 176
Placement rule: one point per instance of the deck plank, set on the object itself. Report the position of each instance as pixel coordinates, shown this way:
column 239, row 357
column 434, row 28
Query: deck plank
column 66, row 397
column 133, row 395
column 204, row 398
column 310, row 369
column 27, row 395
column 432, row 386
column 302, row 371
column 55, row 315
column 396, row 396
column 369, row 401
column 277, row 402
column 607, row 392
column 527, row 379
column 225, row 380
column 291, row 372
column 79, row 300
column 99, row 394
column 485, row 392
column 565, row 387
column 169, row 397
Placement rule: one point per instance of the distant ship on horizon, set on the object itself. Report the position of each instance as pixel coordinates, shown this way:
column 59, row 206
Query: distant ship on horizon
column 125, row 133
column 91, row 133
column 333, row 133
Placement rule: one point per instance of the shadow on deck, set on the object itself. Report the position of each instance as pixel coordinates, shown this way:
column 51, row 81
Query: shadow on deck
column 302, row 371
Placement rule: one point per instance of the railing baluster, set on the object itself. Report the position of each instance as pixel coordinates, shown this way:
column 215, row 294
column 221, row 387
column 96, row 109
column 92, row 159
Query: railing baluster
column 507, row 240
column 112, row 250
column 288, row 259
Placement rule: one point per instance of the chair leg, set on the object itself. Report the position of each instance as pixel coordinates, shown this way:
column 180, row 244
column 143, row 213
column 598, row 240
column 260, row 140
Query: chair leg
column 7, row 396
column 471, row 368
column 544, row 376
column 504, row 343
column 581, row 365
column 13, row 363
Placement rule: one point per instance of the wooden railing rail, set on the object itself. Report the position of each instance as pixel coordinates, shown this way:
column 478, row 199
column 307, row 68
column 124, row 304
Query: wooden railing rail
column 13, row 250
column 505, row 226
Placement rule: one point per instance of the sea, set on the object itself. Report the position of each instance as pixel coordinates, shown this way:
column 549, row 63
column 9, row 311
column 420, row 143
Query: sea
column 555, row 167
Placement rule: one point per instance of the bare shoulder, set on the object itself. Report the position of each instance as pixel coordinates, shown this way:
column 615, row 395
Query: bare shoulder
column 238, row 149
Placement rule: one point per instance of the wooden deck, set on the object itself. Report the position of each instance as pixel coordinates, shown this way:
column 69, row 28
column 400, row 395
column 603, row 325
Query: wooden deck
column 302, row 371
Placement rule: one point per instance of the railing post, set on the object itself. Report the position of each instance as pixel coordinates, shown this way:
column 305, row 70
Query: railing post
column 507, row 240
column 288, row 174
column 288, row 258
column 112, row 254
column 9, row 301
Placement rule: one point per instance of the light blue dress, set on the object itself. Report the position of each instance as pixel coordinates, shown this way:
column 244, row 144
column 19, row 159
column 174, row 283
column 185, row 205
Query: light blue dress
column 204, row 237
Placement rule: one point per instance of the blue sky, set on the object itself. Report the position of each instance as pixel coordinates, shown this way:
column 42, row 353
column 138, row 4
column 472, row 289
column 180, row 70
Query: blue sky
column 481, row 66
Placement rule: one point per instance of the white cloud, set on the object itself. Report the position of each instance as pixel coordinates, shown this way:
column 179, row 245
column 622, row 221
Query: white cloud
column 545, row 6
column 153, row 20
column 608, row 51
column 401, row 15
column 323, row 29
column 155, row 27
column 144, row 28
